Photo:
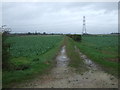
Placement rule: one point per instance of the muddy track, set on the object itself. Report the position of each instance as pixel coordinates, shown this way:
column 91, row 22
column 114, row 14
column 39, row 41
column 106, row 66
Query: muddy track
column 63, row 76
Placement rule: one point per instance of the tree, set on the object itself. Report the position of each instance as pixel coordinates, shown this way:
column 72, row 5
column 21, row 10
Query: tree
column 29, row 33
column 5, row 48
column 44, row 33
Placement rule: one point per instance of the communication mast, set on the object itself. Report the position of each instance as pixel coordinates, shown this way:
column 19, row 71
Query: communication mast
column 84, row 26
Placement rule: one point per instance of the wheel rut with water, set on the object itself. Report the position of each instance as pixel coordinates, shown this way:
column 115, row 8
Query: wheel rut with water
column 63, row 76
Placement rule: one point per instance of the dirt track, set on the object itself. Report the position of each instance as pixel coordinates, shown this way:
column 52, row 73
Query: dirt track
column 63, row 76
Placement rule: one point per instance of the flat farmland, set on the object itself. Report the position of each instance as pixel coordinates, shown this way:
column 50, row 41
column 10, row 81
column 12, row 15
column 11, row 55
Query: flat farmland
column 47, row 61
column 29, row 46
column 103, row 49
column 30, row 55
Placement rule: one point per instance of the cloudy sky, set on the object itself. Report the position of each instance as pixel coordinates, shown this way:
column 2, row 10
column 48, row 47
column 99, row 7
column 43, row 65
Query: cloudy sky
column 61, row 17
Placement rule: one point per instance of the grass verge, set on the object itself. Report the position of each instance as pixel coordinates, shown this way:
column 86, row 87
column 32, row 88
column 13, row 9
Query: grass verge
column 96, row 52
column 75, row 60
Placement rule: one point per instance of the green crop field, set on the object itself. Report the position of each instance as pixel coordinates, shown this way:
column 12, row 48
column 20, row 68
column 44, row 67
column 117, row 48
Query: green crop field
column 30, row 55
column 103, row 49
column 29, row 46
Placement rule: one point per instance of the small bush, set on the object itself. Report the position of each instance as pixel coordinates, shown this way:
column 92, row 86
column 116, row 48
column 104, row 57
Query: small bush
column 36, row 59
column 5, row 51
column 75, row 37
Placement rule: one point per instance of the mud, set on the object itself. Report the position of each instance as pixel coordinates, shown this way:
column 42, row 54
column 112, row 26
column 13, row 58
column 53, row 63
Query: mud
column 89, row 63
column 63, row 76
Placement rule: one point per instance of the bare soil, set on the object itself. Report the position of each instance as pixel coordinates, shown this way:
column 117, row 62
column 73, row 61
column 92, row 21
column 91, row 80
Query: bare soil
column 63, row 76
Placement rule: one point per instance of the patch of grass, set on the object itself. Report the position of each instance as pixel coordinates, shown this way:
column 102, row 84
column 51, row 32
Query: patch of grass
column 75, row 60
column 38, row 65
column 101, row 49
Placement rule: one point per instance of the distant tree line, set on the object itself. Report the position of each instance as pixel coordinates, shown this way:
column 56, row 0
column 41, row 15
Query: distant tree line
column 115, row 33
column 36, row 33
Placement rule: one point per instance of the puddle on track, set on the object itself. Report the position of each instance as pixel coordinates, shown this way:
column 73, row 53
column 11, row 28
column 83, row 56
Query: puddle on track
column 62, row 59
column 89, row 63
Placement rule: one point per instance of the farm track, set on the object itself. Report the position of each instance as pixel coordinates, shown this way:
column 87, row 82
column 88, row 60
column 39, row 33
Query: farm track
column 63, row 76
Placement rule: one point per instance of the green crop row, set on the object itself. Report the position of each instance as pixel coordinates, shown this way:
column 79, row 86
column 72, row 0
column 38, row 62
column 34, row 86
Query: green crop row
column 29, row 46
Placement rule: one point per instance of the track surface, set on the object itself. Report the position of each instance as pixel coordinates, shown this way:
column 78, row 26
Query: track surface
column 63, row 76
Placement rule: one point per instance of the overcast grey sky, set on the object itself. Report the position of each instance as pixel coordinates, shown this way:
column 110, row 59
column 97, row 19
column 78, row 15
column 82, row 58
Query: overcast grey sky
column 61, row 17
